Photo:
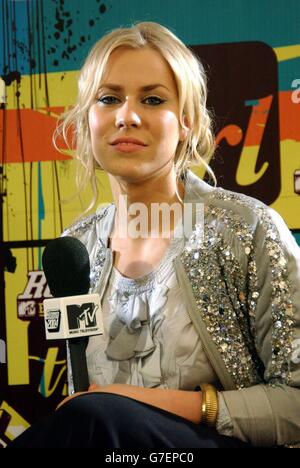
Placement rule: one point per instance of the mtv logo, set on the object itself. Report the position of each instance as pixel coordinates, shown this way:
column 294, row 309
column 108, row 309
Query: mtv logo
column 73, row 316
column 26, row 309
column 82, row 316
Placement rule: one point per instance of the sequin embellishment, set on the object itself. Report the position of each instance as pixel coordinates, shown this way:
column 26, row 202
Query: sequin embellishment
column 219, row 286
column 226, row 293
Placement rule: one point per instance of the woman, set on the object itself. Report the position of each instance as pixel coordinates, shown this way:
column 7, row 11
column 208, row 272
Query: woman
column 212, row 306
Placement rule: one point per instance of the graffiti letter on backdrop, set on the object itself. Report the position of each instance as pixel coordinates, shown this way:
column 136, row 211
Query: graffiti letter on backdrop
column 49, row 367
column 246, row 171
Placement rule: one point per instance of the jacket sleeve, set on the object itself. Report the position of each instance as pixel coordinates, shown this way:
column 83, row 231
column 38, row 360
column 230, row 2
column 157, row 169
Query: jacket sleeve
column 268, row 414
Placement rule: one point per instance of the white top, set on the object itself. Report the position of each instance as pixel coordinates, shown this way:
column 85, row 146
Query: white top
column 149, row 339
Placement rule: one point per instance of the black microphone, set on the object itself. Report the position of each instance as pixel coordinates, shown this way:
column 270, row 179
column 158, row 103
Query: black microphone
column 72, row 314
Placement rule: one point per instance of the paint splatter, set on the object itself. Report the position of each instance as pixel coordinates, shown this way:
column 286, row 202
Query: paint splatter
column 63, row 33
column 9, row 77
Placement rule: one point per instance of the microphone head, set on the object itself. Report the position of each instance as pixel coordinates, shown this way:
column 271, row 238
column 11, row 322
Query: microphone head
column 66, row 265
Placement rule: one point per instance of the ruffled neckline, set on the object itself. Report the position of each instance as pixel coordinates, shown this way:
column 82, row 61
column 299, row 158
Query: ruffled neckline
column 136, row 312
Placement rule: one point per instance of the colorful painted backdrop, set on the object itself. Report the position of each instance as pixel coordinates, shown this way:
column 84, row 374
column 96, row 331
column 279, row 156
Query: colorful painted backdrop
column 251, row 50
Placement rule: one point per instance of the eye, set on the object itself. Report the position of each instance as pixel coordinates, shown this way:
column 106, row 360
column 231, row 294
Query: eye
column 155, row 101
column 107, row 99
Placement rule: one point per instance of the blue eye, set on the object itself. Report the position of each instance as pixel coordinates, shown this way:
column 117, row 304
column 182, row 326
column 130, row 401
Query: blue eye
column 150, row 100
column 156, row 99
column 104, row 99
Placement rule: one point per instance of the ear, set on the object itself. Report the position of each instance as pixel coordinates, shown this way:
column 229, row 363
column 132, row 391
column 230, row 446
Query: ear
column 184, row 131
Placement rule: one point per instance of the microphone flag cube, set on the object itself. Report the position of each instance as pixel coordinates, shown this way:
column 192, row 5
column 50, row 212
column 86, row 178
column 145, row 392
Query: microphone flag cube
column 73, row 317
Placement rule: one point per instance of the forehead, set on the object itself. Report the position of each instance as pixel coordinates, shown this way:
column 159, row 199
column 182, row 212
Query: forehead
column 127, row 65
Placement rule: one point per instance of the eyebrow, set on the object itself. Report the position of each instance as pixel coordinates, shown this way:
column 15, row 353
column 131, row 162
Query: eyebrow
column 149, row 87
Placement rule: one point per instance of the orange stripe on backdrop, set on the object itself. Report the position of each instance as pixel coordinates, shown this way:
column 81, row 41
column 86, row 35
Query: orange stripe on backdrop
column 36, row 128
column 289, row 115
column 289, row 121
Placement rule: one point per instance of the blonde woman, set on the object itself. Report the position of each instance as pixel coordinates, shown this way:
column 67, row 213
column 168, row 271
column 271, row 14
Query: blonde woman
column 207, row 299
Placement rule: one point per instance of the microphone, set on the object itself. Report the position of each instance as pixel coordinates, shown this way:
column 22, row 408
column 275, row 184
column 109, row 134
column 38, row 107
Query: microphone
column 72, row 314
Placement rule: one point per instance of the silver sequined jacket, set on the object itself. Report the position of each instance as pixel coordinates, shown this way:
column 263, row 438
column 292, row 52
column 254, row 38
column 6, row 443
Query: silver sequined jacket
column 241, row 282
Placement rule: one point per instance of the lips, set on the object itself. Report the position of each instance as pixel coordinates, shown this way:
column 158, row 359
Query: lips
column 124, row 140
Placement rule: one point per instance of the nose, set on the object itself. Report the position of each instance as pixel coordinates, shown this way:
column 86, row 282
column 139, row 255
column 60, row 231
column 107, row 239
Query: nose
column 127, row 116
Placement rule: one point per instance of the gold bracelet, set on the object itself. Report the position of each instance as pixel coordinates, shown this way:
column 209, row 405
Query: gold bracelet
column 209, row 406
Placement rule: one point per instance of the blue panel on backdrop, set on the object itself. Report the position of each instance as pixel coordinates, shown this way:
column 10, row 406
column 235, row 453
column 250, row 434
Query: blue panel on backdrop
column 70, row 27
column 297, row 237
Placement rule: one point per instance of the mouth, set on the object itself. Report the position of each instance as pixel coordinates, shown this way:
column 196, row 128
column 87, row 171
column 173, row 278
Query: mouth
column 129, row 147
column 128, row 140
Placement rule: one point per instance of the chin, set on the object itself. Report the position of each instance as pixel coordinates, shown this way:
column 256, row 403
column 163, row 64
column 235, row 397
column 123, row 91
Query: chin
column 130, row 173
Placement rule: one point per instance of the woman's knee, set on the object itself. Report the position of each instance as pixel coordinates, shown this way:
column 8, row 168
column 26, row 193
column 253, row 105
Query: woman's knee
column 101, row 408
column 102, row 418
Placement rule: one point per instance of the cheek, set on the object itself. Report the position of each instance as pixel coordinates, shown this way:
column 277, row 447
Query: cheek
column 96, row 131
column 169, row 125
column 94, row 121
column 168, row 132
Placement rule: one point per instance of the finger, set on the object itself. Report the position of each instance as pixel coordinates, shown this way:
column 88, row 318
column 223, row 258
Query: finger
column 93, row 387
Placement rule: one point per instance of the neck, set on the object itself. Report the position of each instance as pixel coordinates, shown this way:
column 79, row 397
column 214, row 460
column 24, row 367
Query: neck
column 149, row 194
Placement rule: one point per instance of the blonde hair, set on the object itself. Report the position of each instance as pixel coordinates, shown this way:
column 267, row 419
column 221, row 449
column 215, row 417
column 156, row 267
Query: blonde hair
column 191, row 82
